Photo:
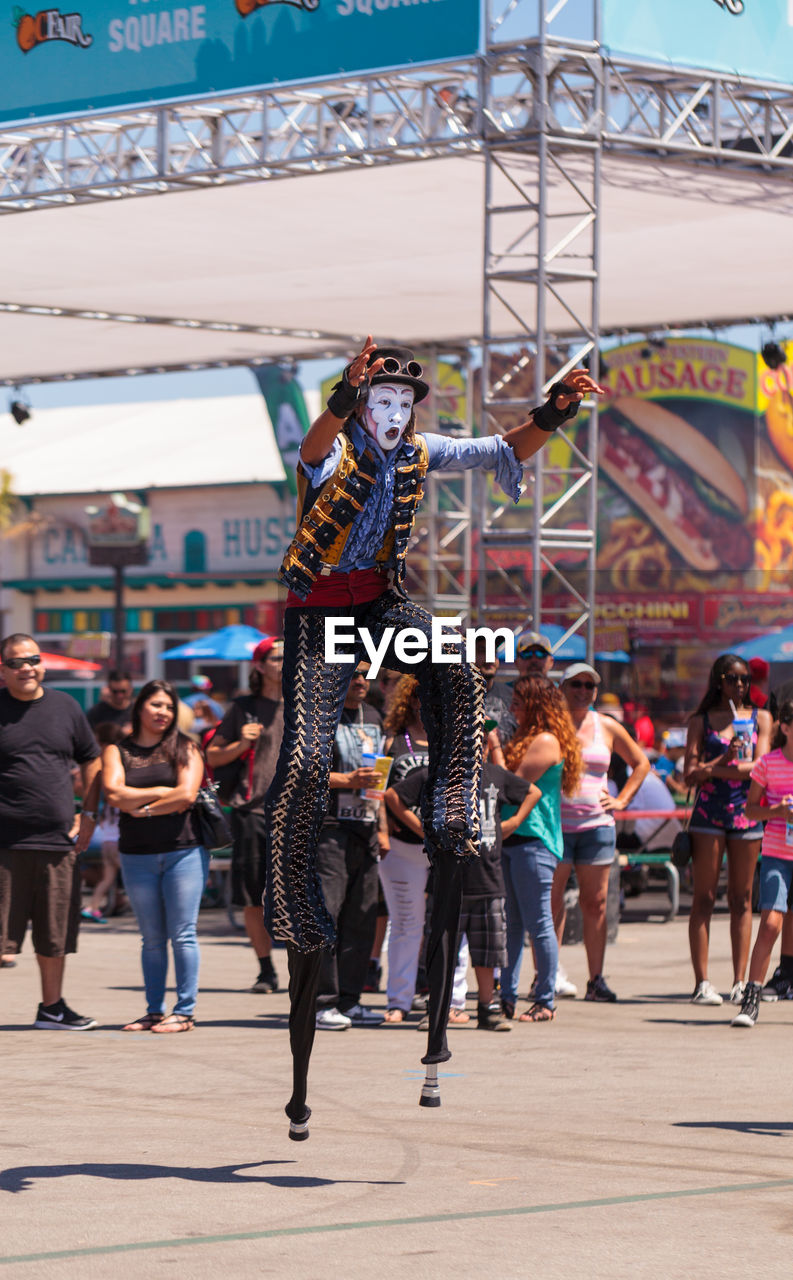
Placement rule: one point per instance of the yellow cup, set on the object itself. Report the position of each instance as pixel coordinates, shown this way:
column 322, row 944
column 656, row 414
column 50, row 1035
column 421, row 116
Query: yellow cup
column 382, row 767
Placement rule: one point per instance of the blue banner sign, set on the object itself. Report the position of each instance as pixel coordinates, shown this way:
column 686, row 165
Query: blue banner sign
column 752, row 38
column 91, row 55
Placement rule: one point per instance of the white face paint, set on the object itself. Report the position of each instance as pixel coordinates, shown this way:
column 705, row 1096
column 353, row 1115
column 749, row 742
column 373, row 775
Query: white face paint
column 387, row 413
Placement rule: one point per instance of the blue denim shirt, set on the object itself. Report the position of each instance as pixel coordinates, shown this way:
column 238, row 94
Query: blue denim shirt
column 369, row 529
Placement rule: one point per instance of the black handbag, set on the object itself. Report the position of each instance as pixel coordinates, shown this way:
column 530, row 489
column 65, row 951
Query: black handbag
column 210, row 824
column 681, row 845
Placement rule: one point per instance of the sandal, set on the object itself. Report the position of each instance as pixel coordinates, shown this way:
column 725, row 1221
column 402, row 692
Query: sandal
column 508, row 1008
column 457, row 1017
column 538, row 1013
column 173, row 1023
column 146, row 1023
column 395, row 1016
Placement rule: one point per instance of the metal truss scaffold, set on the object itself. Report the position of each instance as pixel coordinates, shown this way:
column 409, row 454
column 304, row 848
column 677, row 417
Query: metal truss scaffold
column 541, row 255
column 396, row 117
column 438, row 571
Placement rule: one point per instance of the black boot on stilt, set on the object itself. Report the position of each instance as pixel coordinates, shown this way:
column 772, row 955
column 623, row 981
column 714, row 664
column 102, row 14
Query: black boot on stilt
column 441, row 959
column 303, row 983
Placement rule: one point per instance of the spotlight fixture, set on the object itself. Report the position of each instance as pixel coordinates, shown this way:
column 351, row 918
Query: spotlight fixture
column 773, row 355
column 603, row 368
column 19, row 411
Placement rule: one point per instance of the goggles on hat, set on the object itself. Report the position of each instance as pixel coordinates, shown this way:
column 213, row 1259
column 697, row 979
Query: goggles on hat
column 391, row 365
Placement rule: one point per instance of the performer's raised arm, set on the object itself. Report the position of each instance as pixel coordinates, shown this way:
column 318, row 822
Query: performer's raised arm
column 562, row 404
column 346, row 396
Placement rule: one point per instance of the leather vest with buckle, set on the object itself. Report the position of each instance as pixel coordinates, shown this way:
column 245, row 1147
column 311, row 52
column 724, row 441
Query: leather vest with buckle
column 324, row 523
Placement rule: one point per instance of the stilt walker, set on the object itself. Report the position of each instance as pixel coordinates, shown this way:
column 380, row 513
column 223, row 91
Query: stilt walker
column 359, row 479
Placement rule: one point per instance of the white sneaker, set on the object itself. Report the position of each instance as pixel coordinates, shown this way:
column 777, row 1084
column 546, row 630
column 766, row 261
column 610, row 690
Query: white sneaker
column 563, row 987
column 706, row 993
column 737, row 993
column 332, row 1020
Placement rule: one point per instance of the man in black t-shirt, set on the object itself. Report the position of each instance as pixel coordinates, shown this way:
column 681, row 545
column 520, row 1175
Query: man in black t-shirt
column 118, row 707
column 243, row 752
column 482, row 918
column 41, row 732
column 347, row 856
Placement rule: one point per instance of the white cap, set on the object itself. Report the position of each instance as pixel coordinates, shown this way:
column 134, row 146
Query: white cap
column 580, row 669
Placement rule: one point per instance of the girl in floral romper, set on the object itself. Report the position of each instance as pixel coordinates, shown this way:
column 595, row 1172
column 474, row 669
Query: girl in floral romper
column 720, row 770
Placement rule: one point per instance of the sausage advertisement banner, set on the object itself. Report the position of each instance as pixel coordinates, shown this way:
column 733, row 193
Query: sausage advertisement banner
column 751, row 37
column 677, row 506
column 94, row 55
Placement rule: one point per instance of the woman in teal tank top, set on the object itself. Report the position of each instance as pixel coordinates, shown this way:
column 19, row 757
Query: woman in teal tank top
column 545, row 751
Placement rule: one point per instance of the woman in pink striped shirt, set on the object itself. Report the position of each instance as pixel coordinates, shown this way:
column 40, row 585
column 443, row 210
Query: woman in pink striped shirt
column 588, row 822
column 771, row 797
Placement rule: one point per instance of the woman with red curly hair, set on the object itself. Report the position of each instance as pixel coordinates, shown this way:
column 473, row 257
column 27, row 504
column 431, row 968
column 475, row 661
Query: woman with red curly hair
column 544, row 750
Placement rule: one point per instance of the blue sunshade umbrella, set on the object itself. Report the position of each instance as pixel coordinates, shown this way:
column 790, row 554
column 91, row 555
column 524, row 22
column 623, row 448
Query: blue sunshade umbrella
column 574, row 647
column 229, row 644
column 774, row 647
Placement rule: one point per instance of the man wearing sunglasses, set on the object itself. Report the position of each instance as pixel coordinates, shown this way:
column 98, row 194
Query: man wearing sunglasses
column 533, row 654
column 41, row 732
column 359, row 480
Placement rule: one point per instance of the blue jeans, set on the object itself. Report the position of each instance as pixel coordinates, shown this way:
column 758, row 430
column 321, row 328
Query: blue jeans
column 165, row 891
column 528, row 875
column 776, row 876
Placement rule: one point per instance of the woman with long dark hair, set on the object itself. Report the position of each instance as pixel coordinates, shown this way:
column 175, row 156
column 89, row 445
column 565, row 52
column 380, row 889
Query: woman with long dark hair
column 726, row 734
column 544, row 750
column 153, row 777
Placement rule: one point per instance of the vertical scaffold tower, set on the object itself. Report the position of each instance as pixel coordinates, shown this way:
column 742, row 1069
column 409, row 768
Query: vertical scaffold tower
column 540, row 290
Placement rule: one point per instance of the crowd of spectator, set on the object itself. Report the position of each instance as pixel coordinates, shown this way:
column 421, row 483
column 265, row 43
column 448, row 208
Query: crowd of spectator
column 565, row 764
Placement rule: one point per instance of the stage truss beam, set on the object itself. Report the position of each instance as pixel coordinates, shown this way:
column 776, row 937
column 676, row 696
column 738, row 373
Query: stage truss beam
column 647, row 110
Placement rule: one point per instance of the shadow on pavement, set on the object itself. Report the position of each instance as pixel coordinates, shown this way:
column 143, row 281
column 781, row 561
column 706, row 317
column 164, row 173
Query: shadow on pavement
column 23, row 1177
column 766, row 1128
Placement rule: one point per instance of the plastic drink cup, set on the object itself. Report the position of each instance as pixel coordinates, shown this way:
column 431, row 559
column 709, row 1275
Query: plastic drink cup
column 742, row 727
column 368, row 759
column 789, row 825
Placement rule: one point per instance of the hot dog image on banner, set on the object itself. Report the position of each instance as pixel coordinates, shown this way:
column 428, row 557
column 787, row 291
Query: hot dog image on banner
column 676, row 459
column 774, row 545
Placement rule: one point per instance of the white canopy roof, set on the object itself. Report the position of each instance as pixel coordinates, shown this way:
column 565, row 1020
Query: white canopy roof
column 156, row 444
column 395, row 250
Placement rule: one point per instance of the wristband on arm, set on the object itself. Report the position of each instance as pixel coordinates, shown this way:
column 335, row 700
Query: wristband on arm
column 345, row 398
column 547, row 417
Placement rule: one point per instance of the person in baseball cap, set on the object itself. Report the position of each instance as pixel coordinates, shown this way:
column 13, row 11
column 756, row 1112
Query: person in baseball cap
column 578, row 670
column 533, row 654
column 588, row 824
column 264, row 647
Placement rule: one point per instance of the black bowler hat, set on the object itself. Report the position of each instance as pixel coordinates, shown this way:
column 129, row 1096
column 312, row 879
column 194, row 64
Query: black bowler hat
column 400, row 367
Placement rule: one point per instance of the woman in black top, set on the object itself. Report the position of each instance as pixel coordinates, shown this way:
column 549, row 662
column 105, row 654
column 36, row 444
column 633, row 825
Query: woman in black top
column 153, row 777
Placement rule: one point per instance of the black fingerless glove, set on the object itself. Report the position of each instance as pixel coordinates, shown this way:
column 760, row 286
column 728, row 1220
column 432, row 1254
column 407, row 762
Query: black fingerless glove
column 548, row 417
column 345, row 398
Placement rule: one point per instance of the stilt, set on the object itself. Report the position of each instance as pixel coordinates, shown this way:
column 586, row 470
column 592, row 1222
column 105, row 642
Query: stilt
column 303, row 981
column 441, row 958
column 430, row 1090
column 298, row 1129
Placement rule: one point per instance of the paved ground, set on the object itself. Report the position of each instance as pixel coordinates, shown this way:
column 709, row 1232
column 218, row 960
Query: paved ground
column 646, row 1139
